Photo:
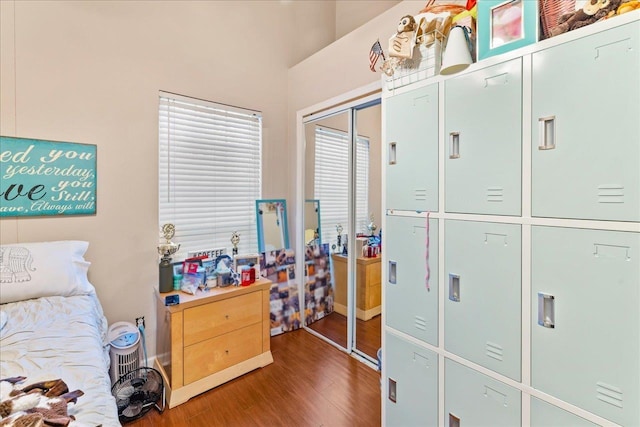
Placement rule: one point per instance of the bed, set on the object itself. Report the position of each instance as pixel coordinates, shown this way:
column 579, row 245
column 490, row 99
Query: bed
column 52, row 326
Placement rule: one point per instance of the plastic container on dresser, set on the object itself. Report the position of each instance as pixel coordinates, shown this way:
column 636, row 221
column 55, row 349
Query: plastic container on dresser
column 412, row 150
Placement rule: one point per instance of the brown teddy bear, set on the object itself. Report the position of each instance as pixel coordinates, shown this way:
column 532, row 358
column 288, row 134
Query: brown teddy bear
column 593, row 11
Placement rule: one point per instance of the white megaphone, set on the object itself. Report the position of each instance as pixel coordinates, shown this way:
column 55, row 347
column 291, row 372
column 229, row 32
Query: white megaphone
column 457, row 54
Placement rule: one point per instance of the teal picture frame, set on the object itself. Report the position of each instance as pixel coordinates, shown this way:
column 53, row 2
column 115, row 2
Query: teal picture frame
column 505, row 25
column 47, row 178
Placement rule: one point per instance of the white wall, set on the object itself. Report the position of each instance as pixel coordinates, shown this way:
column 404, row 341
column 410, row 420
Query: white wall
column 90, row 72
column 337, row 69
column 351, row 14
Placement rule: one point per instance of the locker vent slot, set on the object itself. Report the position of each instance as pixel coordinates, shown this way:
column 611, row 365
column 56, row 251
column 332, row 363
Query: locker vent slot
column 609, row 394
column 495, row 395
column 610, row 194
column 494, row 351
column 420, row 194
column 495, row 194
column 420, row 323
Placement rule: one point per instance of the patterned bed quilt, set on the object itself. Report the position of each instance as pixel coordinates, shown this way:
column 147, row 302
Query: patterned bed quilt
column 61, row 338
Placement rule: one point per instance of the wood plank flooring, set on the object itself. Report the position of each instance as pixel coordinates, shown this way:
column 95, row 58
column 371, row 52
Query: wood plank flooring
column 368, row 333
column 310, row 383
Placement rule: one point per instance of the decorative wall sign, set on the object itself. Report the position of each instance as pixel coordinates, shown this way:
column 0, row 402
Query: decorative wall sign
column 39, row 178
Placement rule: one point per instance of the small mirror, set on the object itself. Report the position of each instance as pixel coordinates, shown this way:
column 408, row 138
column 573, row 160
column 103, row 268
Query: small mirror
column 271, row 216
column 312, row 222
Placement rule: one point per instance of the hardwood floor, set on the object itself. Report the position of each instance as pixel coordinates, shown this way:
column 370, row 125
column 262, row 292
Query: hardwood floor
column 368, row 333
column 310, row 383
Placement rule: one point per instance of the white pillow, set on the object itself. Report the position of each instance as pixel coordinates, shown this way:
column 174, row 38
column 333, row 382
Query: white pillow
column 34, row 270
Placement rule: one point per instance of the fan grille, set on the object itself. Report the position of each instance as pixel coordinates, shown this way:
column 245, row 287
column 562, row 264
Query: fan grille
column 137, row 392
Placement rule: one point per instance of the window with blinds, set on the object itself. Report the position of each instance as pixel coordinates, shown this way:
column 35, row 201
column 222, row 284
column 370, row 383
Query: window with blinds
column 209, row 173
column 331, row 181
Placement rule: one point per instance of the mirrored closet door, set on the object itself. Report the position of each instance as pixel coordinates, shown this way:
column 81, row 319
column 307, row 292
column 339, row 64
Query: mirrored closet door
column 343, row 193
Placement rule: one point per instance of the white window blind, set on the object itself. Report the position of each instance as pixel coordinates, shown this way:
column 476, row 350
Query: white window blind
column 331, row 181
column 209, row 173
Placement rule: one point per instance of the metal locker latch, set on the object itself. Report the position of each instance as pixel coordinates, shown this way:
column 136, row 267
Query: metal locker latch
column 454, row 145
column 392, row 390
column 392, row 153
column 392, row 272
column 547, row 133
column 454, row 287
column 546, row 310
column 453, row 421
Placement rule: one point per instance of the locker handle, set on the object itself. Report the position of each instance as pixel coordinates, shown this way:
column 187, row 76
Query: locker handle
column 392, row 272
column 453, row 420
column 393, row 390
column 547, row 133
column 454, row 145
column 546, row 310
column 392, row 153
column 454, row 287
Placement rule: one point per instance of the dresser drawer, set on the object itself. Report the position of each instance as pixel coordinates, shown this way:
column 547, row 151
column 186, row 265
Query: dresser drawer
column 217, row 318
column 215, row 354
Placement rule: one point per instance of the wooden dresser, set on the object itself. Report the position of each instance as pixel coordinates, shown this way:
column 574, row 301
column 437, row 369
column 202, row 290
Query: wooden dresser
column 211, row 338
column 368, row 286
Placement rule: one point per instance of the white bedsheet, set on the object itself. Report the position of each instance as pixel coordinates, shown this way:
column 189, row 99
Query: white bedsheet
column 61, row 337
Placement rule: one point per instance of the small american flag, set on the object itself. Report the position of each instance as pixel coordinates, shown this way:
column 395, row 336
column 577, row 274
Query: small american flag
column 375, row 53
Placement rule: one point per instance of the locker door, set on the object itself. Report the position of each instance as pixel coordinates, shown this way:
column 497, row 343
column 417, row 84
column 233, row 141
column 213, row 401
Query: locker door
column 474, row 399
column 585, row 165
column 483, row 305
column 412, row 150
column 410, row 306
column 483, row 118
column 412, row 381
column 585, row 329
column 544, row 414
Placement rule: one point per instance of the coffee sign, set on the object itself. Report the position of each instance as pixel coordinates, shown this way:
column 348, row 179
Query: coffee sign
column 40, row 178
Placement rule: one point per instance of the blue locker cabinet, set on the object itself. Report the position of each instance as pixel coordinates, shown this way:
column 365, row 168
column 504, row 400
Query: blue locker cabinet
column 585, row 331
column 544, row 414
column 484, row 144
column 411, row 138
column 584, row 165
column 474, row 399
column 412, row 384
column 482, row 312
column 410, row 306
